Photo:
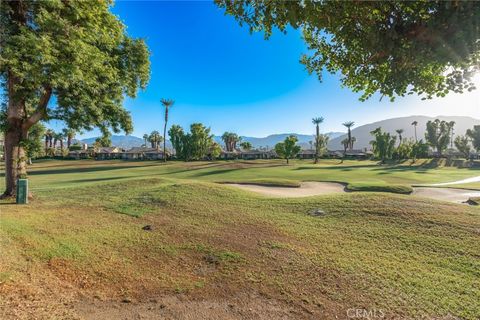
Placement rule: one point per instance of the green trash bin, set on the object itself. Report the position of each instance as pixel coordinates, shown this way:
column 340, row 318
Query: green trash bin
column 22, row 191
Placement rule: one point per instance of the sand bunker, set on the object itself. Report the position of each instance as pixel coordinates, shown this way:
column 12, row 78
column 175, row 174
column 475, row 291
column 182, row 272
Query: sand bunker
column 306, row 189
column 446, row 194
column 468, row 180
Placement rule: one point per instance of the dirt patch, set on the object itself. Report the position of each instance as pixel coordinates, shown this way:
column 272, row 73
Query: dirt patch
column 306, row 189
column 182, row 308
column 446, row 194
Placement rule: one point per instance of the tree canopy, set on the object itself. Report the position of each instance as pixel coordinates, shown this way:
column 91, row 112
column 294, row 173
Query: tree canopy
column 195, row 145
column 288, row 149
column 65, row 60
column 390, row 47
column 77, row 51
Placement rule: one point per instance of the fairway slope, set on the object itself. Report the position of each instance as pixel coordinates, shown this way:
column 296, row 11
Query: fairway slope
column 162, row 242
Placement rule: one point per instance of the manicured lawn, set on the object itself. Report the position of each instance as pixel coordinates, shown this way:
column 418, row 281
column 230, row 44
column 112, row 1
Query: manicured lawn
column 48, row 174
column 82, row 236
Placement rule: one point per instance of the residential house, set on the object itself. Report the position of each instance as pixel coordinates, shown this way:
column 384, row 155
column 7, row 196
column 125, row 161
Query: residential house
column 142, row 153
column 107, row 153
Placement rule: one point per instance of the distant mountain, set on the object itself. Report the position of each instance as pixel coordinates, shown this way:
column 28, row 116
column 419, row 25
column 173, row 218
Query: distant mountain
column 125, row 142
column 363, row 136
column 271, row 140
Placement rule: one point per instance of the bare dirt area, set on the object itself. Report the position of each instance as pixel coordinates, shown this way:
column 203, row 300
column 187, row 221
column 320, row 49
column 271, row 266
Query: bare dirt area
column 182, row 308
column 306, row 189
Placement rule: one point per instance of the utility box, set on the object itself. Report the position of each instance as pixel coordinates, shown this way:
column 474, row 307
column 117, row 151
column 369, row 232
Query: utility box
column 22, row 191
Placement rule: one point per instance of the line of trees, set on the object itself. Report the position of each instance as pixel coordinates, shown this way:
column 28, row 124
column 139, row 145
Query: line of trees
column 438, row 136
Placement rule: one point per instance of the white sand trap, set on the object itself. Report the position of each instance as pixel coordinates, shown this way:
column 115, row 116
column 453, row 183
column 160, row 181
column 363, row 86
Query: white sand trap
column 468, row 180
column 306, row 189
column 446, row 194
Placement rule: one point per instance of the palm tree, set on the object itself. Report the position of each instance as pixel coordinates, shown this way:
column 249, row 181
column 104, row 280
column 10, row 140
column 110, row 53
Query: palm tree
column 60, row 138
column 352, row 141
column 349, row 125
column 414, row 124
column 167, row 103
column 399, row 132
column 69, row 134
column 145, row 139
column 48, row 139
column 55, row 139
column 345, row 144
column 155, row 139
column 230, row 139
column 317, row 122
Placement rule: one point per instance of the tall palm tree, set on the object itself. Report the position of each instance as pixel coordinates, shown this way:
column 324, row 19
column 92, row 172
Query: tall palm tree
column 167, row 103
column 145, row 139
column 414, row 124
column 399, row 132
column 317, row 122
column 349, row 125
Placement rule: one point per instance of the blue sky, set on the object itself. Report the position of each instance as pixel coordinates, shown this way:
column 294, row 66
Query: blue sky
column 221, row 75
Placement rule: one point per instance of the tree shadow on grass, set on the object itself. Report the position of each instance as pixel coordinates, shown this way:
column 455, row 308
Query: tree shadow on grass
column 211, row 173
column 340, row 167
column 95, row 179
column 78, row 170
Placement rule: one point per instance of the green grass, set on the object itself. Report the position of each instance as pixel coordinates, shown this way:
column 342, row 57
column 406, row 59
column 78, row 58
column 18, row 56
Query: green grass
column 380, row 187
column 82, row 235
column 53, row 174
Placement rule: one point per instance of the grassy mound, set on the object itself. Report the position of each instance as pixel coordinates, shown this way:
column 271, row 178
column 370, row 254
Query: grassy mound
column 380, row 187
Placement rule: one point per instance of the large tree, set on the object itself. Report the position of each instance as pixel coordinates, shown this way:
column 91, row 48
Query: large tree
column 195, row 145
column 288, row 149
column 75, row 53
column 463, row 145
column 438, row 134
column 390, row 47
column 384, row 144
column 474, row 134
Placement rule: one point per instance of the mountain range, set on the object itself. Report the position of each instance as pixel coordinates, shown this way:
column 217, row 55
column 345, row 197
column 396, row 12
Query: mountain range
column 363, row 136
column 361, row 133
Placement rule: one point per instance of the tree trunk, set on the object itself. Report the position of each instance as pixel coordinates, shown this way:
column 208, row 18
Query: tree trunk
column 165, row 135
column 349, row 139
column 316, row 144
column 287, row 160
column 15, row 159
